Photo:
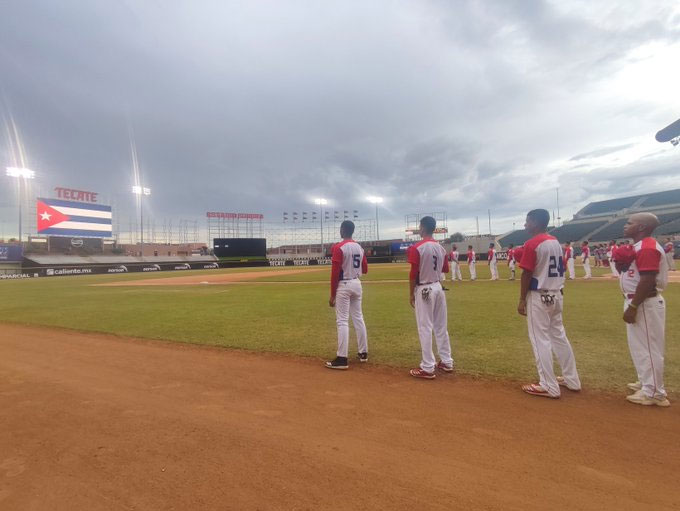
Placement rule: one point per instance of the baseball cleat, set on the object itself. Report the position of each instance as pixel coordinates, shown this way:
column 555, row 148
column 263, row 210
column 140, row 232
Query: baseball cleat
column 537, row 390
column 562, row 383
column 639, row 398
column 445, row 367
column 634, row 386
column 419, row 373
column 337, row 363
column 363, row 357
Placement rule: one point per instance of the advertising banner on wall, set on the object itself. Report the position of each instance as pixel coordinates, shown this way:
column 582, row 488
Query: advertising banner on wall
column 10, row 253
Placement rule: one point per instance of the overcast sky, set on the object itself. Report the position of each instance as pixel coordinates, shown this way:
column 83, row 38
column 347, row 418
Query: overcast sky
column 456, row 106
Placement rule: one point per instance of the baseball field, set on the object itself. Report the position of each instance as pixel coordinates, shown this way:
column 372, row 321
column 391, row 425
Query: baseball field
column 207, row 391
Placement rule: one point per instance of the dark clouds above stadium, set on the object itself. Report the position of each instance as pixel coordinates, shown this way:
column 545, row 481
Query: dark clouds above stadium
column 262, row 106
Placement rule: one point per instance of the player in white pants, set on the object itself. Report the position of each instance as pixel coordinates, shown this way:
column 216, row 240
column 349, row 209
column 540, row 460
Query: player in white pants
column 643, row 276
column 541, row 301
column 511, row 261
column 348, row 263
column 454, row 264
column 569, row 258
column 585, row 253
column 611, row 257
column 493, row 262
column 428, row 261
column 669, row 249
column 472, row 260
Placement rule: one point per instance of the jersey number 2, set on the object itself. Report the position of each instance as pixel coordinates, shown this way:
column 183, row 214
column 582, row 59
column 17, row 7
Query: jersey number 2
column 556, row 268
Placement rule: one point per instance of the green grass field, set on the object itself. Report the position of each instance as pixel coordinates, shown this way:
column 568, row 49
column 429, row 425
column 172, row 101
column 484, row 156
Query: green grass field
column 489, row 338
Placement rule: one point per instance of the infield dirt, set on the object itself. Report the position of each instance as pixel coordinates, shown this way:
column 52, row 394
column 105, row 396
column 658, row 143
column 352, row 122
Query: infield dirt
column 94, row 422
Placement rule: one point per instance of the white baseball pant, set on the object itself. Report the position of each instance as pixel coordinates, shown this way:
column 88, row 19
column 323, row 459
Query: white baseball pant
column 570, row 268
column 612, row 266
column 473, row 272
column 646, row 341
column 586, row 268
column 511, row 266
column 671, row 261
column 431, row 318
column 455, row 271
column 493, row 266
column 548, row 337
column 348, row 302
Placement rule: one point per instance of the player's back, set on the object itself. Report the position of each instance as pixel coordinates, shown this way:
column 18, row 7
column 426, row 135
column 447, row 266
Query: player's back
column 543, row 256
column 351, row 256
column 430, row 257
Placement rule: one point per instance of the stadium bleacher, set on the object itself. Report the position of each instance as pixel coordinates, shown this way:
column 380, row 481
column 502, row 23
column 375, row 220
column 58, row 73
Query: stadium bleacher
column 668, row 228
column 609, row 206
column 576, row 231
column 671, row 197
column 517, row 238
column 611, row 232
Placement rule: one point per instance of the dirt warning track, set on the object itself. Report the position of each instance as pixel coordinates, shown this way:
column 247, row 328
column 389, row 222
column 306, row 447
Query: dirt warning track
column 94, row 422
column 217, row 278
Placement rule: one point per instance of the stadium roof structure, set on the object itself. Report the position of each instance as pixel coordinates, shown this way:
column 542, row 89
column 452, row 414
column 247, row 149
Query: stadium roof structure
column 604, row 220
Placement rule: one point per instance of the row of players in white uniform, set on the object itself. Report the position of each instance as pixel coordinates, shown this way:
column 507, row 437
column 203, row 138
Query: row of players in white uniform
column 643, row 274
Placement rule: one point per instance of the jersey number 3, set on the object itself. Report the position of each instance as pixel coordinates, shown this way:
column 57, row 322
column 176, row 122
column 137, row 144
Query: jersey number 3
column 556, row 268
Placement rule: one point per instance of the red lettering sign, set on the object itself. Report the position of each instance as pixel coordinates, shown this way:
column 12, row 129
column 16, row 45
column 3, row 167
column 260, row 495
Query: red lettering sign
column 253, row 216
column 75, row 195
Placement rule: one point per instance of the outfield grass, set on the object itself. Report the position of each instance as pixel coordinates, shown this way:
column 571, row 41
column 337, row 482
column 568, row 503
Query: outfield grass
column 489, row 338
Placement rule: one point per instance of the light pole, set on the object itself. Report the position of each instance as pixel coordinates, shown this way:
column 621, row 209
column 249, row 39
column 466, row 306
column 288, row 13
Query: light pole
column 320, row 203
column 140, row 191
column 22, row 174
column 376, row 201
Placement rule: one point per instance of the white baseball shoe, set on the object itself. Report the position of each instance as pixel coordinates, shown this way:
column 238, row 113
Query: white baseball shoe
column 634, row 386
column 639, row 398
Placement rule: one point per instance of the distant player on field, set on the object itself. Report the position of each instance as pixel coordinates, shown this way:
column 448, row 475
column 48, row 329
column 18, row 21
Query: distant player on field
column 669, row 250
column 585, row 254
column 472, row 260
column 453, row 263
column 511, row 261
column 493, row 261
column 643, row 276
column 428, row 261
column 541, row 302
column 569, row 259
column 611, row 257
column 348, row 263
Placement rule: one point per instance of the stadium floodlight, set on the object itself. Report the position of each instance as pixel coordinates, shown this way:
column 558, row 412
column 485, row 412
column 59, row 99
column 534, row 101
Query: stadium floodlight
column 376, row 201
column 141, row 191
column 321, row 202
column 21, row 174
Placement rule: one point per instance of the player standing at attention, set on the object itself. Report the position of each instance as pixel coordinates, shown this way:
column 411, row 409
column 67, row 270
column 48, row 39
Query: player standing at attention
column 585, row 253
column 611, row 257
column 471, row 260
column 511, row 261
column 669, row 250
column 541, row 302
column 455, row 266
column 348, row 263
column 569, row 258
column 442, row 278
column 643, row 276
column 493, row 261
column 428, row 260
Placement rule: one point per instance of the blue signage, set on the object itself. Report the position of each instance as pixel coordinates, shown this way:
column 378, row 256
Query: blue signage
column 10, row 253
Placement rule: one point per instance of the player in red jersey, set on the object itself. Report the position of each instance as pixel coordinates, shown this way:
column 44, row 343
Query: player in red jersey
column 585, row 254
column 428, row 261
column 472, row 261
column 643, row 276
column 669, row 249
column 569, row 260
column 511, row 261
column 493, row 261
column 454, row 264
column 348, row 263
column 541, row 302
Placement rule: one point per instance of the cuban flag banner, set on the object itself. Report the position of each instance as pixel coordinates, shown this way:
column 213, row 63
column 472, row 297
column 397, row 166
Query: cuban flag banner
column 65, row 218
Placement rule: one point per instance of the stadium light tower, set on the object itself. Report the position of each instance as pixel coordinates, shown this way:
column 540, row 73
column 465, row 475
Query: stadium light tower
column 376, row 201
column 321, row 203
column 141, row 191
column 22, row 174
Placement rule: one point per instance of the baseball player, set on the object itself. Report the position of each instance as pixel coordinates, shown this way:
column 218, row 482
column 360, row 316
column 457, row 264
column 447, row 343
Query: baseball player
column 442, row 278
column 454, row 265
column 611, row 257
column 348, row 263
column 669, row 250
column 471, row 260
column 569, row 258
column 511, row 261
column 541, row 302
column 428, row 261
column 493, row 261
column 585, row 253
column 643, row 276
